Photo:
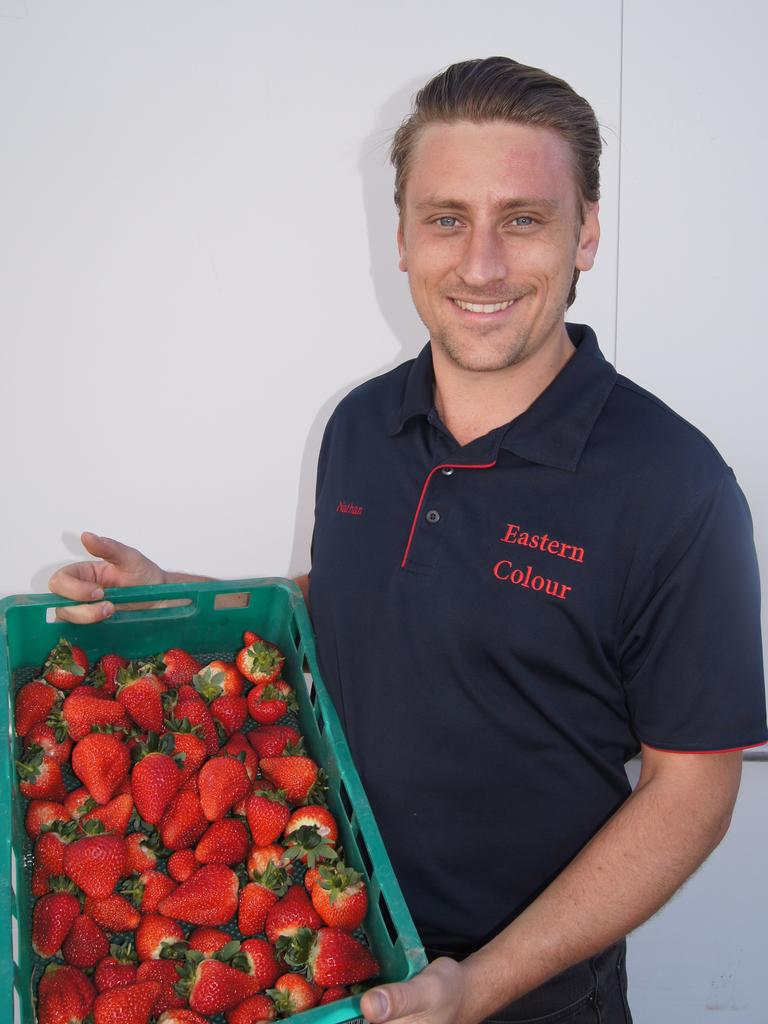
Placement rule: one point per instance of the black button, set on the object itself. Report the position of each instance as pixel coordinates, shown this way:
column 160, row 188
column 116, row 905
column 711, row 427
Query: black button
column 433, row 516
column 447, row 470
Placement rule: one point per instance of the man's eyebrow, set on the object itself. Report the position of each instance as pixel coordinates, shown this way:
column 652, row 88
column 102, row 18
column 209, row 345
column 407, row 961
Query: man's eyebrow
column 436, row 202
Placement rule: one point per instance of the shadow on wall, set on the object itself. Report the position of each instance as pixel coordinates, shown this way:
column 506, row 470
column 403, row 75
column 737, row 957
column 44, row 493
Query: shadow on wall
column 391, row 291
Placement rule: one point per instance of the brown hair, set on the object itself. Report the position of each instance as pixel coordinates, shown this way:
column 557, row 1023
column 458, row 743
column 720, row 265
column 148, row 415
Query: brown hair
column 501, row 89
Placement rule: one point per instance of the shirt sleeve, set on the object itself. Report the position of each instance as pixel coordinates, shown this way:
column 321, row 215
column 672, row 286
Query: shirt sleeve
column 691, row 652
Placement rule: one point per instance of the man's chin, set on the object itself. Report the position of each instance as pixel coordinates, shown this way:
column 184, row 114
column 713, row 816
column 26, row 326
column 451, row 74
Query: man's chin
column 481, row 358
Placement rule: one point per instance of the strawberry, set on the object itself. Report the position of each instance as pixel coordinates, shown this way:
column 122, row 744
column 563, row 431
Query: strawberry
column 260, row 661
column 157, row 937
column 66, row 666
column 166, row 973
column 212, row 986
column 294, row 994
column 181, row 1016
column 221, row 783
column 104, row 675
column 85, row 943
column 268, row 815
column 296, row 774
column 40, row 776
column 82, row 709
column 256, row 900
column 114, row 912
column 223, row 842
column 267, row 702
column 41, row 813
column 238, row 744
column 253, row 1010
column 217, row 679
column 49, row 855
column 141, row 852
column 128, row 1004
column 187, row 740
column 140, row 695
column 260, row 857
column 340, row 896
column 319, row 817
column 208, row 940
column 78, row 802
column 43, row 735
column 155, row 778
column 64, row 995
column 208, row 897
column 101, row 762
column 184, row 822
column 330, row 956
column 311, row 876
column 271, row 740
column 117, row 969
column 178, row 667
column 182, row 864
column 309, row 836
column 95, row 863
column 261, row 962
column 34, row 702
column 229, row 713
column 115, row 815
column 148, row 890
column 52, row 917
column 331, row 995
column 196, row 710
column 291, row 913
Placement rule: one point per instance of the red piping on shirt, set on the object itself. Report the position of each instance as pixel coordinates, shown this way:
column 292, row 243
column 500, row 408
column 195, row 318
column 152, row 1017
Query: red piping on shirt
column 725, row 750
column 443, row 465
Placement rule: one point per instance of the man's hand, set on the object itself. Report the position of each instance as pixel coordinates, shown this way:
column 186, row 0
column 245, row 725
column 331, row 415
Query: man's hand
column 119, row 566
column 436, row 996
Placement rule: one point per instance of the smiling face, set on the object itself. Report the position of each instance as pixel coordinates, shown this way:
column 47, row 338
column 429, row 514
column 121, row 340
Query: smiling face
column 490, row 235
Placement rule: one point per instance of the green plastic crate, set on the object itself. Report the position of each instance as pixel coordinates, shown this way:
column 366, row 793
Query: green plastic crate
column 213, row 620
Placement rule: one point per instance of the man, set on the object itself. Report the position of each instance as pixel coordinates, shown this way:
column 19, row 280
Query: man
column 525, row 570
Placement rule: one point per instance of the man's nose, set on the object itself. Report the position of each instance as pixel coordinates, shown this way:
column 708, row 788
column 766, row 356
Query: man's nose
column 482, row 261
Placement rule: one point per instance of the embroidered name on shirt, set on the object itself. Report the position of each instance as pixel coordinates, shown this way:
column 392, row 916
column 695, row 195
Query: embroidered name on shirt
column 542, row 542
column 527, row 577
column 348, row 508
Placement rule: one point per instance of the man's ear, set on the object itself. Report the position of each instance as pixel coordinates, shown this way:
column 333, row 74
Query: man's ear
column 403, row 264
column 589, row 237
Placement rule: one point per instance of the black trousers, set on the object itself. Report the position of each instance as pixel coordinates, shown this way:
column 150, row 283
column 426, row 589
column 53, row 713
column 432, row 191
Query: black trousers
column 592, row 992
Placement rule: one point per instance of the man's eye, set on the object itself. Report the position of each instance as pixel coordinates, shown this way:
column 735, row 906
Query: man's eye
column 447, row 222
column 523, row 221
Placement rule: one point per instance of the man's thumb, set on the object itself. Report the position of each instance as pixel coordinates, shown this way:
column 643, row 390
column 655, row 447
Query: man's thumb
column 106, row 548
column 390, row 1002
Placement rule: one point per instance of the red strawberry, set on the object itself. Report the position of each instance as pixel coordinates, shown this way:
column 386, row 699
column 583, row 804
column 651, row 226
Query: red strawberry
column 78, row 802
column 212, row 986
column 208, row 940
column 229, row 712
column 117, row 969
column 332, row 994
column 253, row 1010
column 181, row 1016
column 296, row 774
column 318, row 816
column 101, row 762
column 64, row 995
column 43, row 812
column 182, row 864
column 40, row 776
column 271, row 740
column 114, row 912
column 115, row 816
column 178, row 667
column 95, row 863
column 268, row 815
column 291, row 913
column 311, row 876
column 293, row 994
column 187, row 740
column 49, row 855
column 52, row 917
column 223, row 842
column 196, row 710
column 267, row 702
column 184, row 822
column 66, row 666
column 155, row 778
column 148, row 890
column 260, row 857
column 82, row 709
column 340, row 896
column 141, row 852
column 129, row 1004
column 44, row 735
column 104, row 676
column 221, row 783
column 238, row 744
column 331, row 957
column 208, row 897
column 34, row 702
column 158, row 936
column 217, row 679
column 256, row 900
column 140, row 695
column 85, row 943
column 261, row 962
column 166, row 973
column 260, row 661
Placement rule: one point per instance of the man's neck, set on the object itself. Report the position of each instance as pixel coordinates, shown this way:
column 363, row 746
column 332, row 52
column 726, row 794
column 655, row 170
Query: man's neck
column 471, row 403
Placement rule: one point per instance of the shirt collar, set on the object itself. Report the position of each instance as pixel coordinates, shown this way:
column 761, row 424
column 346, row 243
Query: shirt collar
column 554, row 430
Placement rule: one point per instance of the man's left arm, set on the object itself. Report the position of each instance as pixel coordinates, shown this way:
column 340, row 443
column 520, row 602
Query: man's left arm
column 678, row 813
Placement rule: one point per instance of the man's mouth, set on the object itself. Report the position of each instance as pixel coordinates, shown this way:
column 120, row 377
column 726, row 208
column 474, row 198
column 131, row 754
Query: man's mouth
column 483, row 307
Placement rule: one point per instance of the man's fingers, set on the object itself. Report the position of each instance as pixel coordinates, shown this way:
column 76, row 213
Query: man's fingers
column 391, row 1002
column 77, row 582
column 111, row 550
column 85, row 614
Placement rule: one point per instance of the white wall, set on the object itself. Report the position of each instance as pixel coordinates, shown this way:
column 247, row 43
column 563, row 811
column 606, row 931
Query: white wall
column 198, row 259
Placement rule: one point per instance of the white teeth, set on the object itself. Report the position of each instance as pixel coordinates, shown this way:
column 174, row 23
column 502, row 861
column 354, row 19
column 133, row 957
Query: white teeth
column 477, row 307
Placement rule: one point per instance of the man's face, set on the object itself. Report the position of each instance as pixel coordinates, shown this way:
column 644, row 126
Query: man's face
column 491, row 232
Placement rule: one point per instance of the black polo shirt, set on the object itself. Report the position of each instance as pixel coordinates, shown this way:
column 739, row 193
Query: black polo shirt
column 501, row 624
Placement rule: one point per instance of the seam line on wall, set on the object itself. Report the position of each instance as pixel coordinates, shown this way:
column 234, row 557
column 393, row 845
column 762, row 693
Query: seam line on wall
column 618, row 191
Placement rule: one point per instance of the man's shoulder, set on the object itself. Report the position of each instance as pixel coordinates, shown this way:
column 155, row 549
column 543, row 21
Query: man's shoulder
column 378, row 396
